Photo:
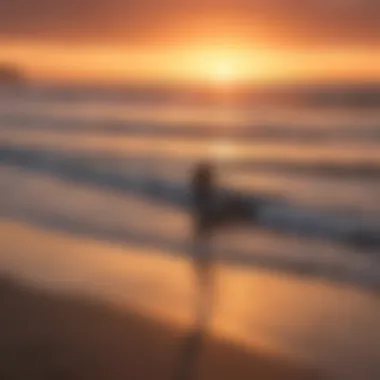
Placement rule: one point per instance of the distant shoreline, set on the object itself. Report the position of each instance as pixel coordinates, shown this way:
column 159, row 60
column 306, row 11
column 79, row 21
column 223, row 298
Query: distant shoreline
column 330, row 96
column 11, row 75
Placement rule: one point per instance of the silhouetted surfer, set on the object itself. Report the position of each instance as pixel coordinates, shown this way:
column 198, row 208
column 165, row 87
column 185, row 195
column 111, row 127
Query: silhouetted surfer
column 203, row 191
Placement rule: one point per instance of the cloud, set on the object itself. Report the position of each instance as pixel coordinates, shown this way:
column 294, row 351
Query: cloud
column 137, row 21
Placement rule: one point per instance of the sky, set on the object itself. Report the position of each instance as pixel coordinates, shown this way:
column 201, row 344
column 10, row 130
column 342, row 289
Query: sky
column 195, row 40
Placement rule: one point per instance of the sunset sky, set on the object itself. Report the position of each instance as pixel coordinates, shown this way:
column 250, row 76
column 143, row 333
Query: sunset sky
column 192, row 40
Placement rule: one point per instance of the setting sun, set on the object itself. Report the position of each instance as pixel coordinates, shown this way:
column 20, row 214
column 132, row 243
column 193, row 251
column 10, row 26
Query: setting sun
column 223, row 71
column 219, row 65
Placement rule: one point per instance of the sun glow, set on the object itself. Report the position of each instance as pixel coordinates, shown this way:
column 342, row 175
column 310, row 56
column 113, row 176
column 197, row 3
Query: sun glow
column 223, row 72
column 220, row 66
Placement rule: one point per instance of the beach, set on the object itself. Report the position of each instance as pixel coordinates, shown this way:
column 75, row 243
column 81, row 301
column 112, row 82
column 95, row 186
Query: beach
column 58, row 337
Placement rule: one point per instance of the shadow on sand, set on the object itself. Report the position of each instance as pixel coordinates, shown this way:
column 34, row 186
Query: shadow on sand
column 191, row 352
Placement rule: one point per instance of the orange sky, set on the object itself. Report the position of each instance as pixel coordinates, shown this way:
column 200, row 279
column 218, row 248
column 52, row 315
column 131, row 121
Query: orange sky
column 194, row 63
column 196, row 41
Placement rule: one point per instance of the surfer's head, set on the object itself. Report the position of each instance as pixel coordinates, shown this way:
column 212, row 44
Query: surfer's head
column 204, row 174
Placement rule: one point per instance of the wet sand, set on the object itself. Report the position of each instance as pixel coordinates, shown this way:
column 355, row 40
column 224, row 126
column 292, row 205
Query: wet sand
column 45, row 336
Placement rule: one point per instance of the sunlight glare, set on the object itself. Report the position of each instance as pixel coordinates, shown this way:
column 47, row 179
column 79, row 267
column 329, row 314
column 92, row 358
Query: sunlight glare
column 223, row 72
column 222, row 150
column 224, row 66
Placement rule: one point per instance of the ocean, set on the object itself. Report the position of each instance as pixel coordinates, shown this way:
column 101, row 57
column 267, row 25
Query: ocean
column 114, row 167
